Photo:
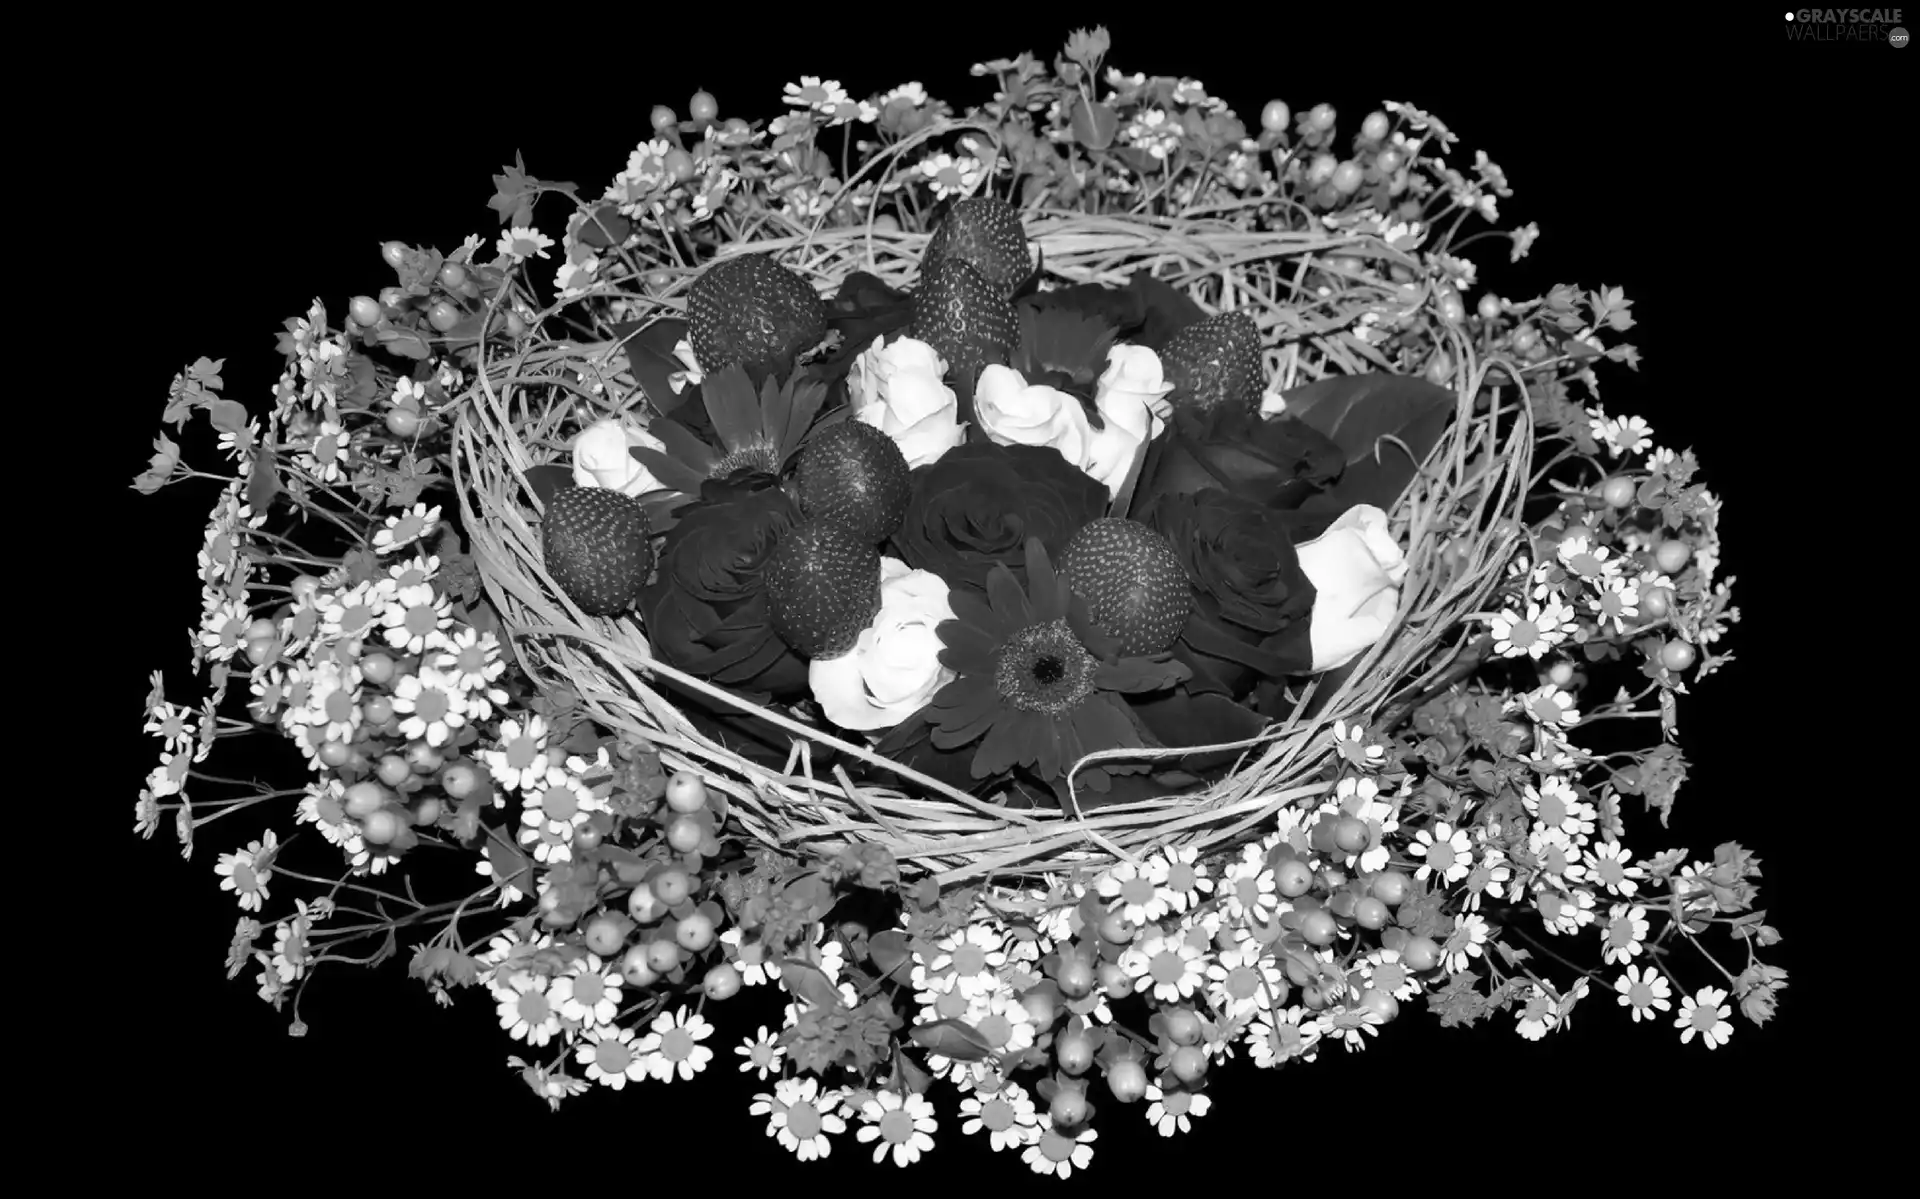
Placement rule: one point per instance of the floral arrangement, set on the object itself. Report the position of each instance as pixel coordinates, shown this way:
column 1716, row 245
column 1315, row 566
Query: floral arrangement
column 1072, row 591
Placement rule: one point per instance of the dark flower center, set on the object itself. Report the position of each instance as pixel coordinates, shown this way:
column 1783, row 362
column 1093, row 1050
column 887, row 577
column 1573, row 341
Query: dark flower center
column 748, row 458
column 1044, row 668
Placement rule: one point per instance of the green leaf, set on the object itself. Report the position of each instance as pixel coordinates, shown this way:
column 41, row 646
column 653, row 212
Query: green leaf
column 1365, row 415
column 405, row 343
column 604, row 227
column 952, row 1038
column 651, row 358
column 809, row 984
column 1094, row 125
column 891, row 954
column 228, row 416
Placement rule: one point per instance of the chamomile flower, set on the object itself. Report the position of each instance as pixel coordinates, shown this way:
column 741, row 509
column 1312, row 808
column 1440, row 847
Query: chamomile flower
column 1644, row 991
column 1622, row 436
column 1532, row 634
column 430, row 706
column 414, row 524
column 1555, row 804
column 1129, row 888
column 761, row 1053
column 325, row 458
column 223, row 627
column 1705, row 1012
column 521, row 243
column 1006, row 1115
column 1548, row 706
column 902, row 1125
column 815, row 94
column 1241, row 981
column 1282, row 1035
column 801, row 1116
column 1168, row 965
column 589, row 992
column 950, row 176
column 673, row 1048
column 1247, row 894
column 415, row 619
column 1608, row 865
column 524, row 1009
column 1351, row 743
column 521, row 758
column 1470, row 932
column 1538, row 1015
column 1447, row 852
column 1626, row 930
column 608, row 1054
column 1179, row 878
column 246, row 872
column 1489, row 877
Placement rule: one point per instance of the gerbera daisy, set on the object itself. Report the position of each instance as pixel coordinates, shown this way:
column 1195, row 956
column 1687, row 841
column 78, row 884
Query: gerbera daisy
column 1037, row 681
column 759, row 429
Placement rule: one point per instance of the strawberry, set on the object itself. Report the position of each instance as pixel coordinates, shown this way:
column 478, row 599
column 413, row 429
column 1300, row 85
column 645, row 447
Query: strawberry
column 964, row 318
column 855, row 475
column 823, row 587
column 1215, row 360
column 596, row 546
column 1133, row 586
column 752, row 312
column 984, row 232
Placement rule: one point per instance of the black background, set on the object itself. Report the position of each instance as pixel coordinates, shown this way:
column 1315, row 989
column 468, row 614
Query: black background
column 1663, row 158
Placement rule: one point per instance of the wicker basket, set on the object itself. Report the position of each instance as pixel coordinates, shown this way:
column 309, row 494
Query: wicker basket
column 1473, row 480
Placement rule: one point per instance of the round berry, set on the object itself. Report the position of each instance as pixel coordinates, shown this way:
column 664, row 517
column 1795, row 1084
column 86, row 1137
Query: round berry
column 1274, row 117
column 721, row 982
column 1318, row 927
column 364, row 310
column 1560, row 674
column 1347, row 178
column 605, row 935
column 392, row 770
column 453, row 276
column 1189, row 1063
column 1127, row 1078
column 1490, row 308
column 703, row 107
column 1524, row 339
column 1183, row 1026
column 1321, row 169
column 1321, row 118
column 428, row 811
column 395, row 253
column 635, row 970
column 1420, row 953
column 1115, row 927
column 460, row 779
column 662, row 956
column 303, row 588
column 1369, row 912
column 443, row 316
column 1075, row 976
column 365, row 798
column 1619, row 492
column 1350, row 834
column 685, row 834
column 1292, row 879
column 1452, row 310
column 1074, row 1051
column 679, row 165
column 1380, row 1003
column 334, row 753
column 1069, row 1107
column 1656, row 602
column 1677, row 655
column 424, row 758
column 645, row 905
column 1391, row 886
column 1374, row 128
column 1115, row 981
column 1672, row 555
column 662, row 118
column 1388, row 160
column 382, row 827
column 686, row 792
column 694, row 932
column 672, row 885
column 403, row 422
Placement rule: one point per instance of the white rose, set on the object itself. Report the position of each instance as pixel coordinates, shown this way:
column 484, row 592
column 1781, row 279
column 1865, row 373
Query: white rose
column 1012, row 412
column 1131, row 396
column 600, row 457
column 894, row 667
column 897, row 389
column 1356, row 569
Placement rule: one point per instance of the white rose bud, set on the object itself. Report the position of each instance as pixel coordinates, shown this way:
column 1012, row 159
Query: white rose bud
column 894, row 667
column 1131, row 397
column 600, row 457
column 1356, row 569
column 897, row 389
column 1012, row 412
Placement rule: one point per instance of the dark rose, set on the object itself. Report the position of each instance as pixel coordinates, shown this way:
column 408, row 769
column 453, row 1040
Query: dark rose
column 1251, row 600
column 706, row 611
column 1278, row 463
column 979, row 503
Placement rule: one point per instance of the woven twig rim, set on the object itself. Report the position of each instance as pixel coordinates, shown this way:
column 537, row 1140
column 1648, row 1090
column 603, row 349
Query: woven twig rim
column 1477, row 475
